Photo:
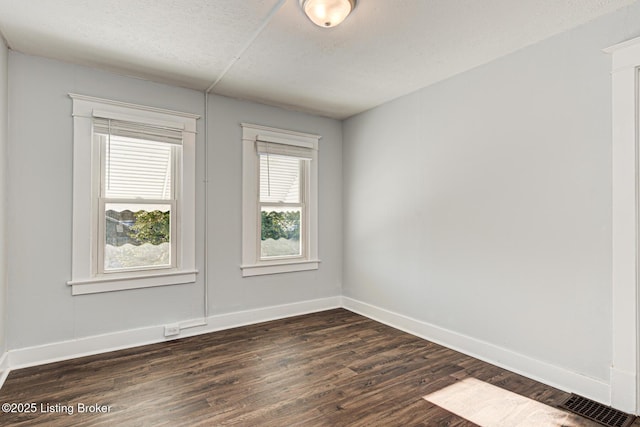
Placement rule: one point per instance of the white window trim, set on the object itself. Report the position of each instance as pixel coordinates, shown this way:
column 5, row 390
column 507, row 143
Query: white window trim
column 85, row 279
column 625, row 378
column 252, row 265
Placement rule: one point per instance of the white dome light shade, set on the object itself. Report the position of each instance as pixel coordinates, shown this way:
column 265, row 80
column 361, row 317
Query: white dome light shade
column 327, row 13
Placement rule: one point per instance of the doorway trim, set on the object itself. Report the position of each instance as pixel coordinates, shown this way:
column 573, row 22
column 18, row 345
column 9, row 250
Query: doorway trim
column 625, row 386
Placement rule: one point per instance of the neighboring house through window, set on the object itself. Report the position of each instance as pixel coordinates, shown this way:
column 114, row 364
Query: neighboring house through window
column 280, row 200
column 134, row 189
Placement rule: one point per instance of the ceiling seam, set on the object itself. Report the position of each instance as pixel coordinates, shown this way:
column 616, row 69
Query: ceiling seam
column 248, row 44
column 4, row 39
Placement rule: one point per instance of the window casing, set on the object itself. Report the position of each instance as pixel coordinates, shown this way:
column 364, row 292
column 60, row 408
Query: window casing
column 134, row 196
column 279, row 201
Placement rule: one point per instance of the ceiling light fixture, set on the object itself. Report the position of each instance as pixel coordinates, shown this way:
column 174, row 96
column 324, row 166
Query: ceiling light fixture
column 327, row 13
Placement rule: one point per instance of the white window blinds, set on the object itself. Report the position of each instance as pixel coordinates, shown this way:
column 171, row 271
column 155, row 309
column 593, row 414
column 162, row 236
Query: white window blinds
column 280, row 171
column 279, row 179
column 138, row 159
column 137, row 130
column 282, row 149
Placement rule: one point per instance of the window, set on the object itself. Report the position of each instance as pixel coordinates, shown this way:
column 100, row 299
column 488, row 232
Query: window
column 136, row 224
column 134, row 187
column 279, row 201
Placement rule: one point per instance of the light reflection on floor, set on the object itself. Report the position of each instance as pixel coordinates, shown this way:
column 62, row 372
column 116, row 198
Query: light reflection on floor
column 490, row 406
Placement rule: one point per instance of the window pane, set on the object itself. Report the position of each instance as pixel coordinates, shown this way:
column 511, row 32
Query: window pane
column 137, row 235
column 137, row 169
column 279, row 179
column 280, row 232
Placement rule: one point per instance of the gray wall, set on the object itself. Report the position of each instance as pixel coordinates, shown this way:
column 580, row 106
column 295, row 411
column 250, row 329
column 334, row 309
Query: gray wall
column 231, row 292
column 41, row 308
column 3, row 202
column 482, row 204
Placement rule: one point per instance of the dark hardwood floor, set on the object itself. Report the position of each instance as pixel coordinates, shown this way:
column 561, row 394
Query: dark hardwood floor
column 333, row 368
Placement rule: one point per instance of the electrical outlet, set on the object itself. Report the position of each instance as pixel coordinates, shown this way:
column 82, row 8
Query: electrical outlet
column 171, row 330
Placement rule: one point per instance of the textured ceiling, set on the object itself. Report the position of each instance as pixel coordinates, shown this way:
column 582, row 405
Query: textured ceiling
column 267, row 51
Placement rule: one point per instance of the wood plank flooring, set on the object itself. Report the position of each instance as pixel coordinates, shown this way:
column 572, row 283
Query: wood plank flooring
column 333, row 368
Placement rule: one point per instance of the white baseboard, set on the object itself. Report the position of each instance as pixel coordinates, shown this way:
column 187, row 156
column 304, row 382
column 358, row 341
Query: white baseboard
column 4, row 368
column 249, row 317
column 623, row 391
column 543, row 372
column 538, row 370
column 86, row 346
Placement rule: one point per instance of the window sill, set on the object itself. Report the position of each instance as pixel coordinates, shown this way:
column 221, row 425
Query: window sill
column 279, row 267
column 124, row 282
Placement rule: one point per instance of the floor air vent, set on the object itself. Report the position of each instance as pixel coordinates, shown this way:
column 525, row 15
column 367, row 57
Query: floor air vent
column 598, row 412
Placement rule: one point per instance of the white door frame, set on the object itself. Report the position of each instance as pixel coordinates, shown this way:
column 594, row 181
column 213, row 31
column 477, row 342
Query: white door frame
column 624, row 380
